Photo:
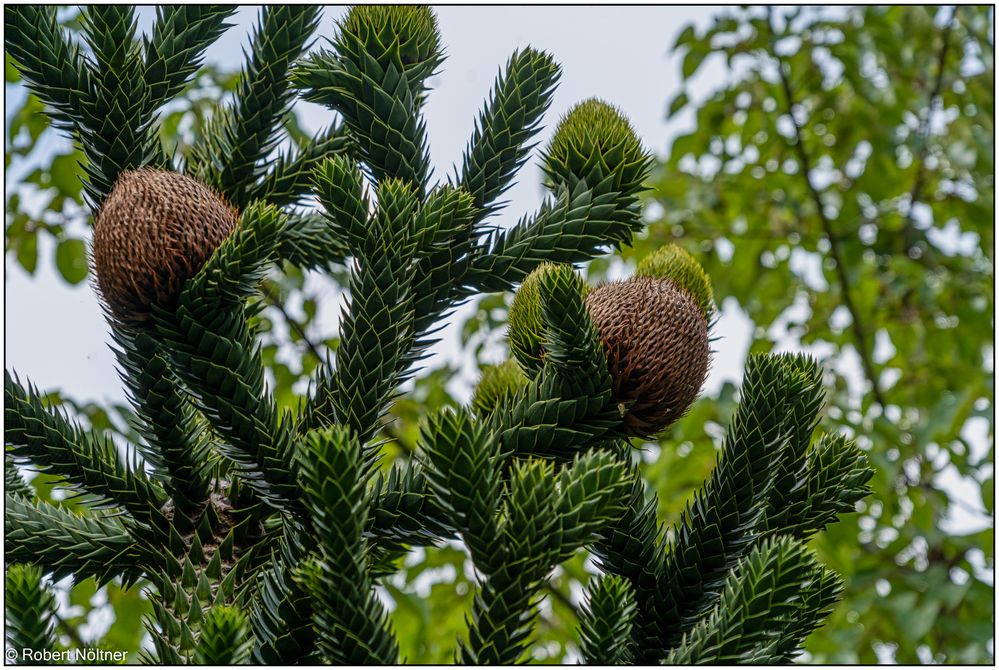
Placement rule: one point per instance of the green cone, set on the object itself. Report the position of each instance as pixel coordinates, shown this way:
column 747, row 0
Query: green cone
column 592, row 142
column 497, row 384
column 675, row 264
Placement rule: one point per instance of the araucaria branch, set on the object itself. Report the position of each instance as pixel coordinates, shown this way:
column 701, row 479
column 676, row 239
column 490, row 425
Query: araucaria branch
column 262, row 534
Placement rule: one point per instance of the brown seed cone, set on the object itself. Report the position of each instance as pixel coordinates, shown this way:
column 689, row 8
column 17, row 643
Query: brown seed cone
column 154, row 231
column 656, row 340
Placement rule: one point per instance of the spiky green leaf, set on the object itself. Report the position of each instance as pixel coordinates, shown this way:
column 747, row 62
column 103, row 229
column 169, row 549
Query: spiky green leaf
column 30, row 613
column 95, row 545
column 771, row 591
column 225, row 637
column 500, row 142
column 605, row 623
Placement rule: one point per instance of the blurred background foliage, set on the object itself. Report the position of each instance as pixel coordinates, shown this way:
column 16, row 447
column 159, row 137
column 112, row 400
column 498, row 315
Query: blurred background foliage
column 839, row 189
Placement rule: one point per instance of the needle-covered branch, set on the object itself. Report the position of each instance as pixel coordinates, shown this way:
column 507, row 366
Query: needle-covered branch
column 773, row 590
column 263, row 532
column 117, row 134
column 211, row 345
column 374, row 77
column 605, row 626
column 30, row 611
column 501, row 141
column 174, row 52
column 175, row 441
column 245, row 133
column 51, row 65
column 351, row 623
column 68, row 544
column 45, row 438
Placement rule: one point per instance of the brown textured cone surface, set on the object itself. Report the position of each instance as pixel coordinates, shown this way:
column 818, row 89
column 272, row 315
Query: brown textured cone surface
column 656, row 340
column 154, row 231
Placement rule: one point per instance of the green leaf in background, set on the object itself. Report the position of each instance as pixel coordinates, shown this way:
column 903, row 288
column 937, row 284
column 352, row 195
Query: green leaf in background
column 30, row 116
column 679, row 102
column 10, row 73
column 686, row 36
column 696, row 53
column 65, row 173
column 130, row 608
column 71, row 259
column 27, row 252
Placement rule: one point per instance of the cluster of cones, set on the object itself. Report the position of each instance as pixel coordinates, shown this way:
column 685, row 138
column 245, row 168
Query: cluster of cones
column 157, row 228
column 654, row 331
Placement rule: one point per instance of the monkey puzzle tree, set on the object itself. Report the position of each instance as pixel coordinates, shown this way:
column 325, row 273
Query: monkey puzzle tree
column 263, row 534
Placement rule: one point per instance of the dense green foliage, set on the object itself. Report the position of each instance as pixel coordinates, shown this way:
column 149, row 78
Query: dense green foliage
column 840, row 190
column 431, row 589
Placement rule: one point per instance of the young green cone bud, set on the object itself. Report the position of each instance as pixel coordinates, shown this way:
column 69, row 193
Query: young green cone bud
column 225, row 637
column 498, row 384
column 154, row 231
column 656, row 341
column 527, row 327
column 594, row 141
column 675, row 264
column 526, row 331
column 404, row 36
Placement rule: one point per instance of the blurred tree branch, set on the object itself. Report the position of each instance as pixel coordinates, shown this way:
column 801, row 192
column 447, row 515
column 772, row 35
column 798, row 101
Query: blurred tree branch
column 856, row 323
